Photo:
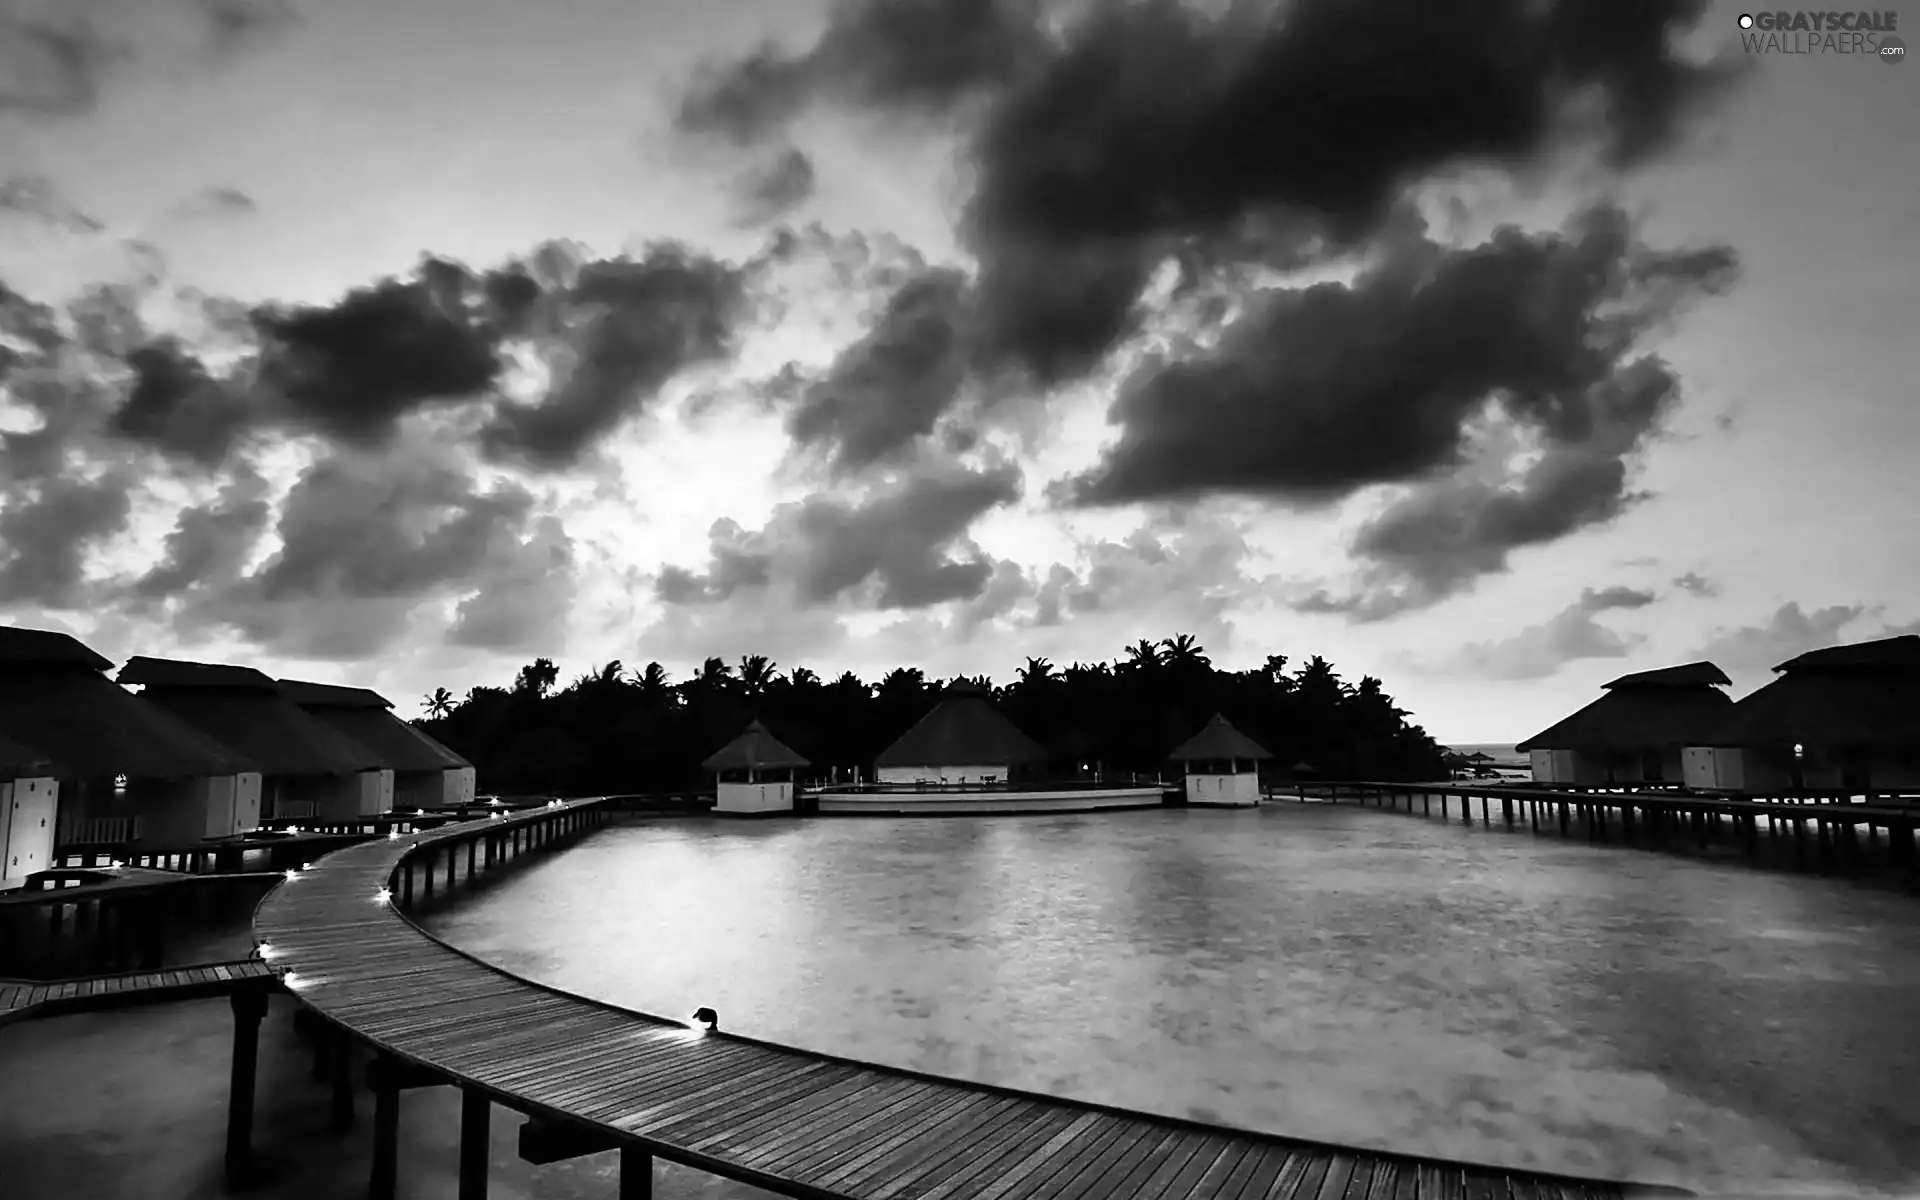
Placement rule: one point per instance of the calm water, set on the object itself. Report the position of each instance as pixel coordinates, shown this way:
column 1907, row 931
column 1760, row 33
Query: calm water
column 1334, row 973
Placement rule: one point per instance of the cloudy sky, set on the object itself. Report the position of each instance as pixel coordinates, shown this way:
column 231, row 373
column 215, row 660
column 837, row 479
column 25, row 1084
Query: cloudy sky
column 1493, row 348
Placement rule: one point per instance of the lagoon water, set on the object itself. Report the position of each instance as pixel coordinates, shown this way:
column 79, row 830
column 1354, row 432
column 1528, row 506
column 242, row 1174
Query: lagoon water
column 1327, row 972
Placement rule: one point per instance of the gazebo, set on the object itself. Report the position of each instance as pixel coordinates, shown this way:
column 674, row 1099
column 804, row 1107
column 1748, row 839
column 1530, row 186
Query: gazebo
column 964, row 739
column 1222, row 765
column 755, row 773
column 29, row 812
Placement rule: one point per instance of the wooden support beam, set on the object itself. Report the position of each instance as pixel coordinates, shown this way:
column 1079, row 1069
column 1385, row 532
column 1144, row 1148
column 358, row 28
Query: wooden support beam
column 636, row 1174
column 249, row 1006
column 543, row 1142
column 341, row 1114
column 475, row 1144
column 384, row 1178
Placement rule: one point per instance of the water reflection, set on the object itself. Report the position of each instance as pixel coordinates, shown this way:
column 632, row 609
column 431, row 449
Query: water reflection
column 1334, row 973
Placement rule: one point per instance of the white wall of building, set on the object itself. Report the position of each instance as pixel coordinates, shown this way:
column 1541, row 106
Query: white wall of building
column 456, row 787
column 771, row 796
column 1241, row 789
column 941, row 774
column 1713, row 768
column 28, row 825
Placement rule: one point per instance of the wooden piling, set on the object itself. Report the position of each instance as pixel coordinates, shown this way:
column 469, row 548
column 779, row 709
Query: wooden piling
column 385, row 1176
column 636, row 1174
column 475, row 1144
column 249, row 1006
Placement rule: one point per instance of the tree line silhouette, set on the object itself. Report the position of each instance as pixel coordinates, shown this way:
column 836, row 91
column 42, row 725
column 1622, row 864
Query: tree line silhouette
column 613, row 731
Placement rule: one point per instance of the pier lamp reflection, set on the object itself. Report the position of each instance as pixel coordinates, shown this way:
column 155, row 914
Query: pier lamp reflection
column 705, row 1020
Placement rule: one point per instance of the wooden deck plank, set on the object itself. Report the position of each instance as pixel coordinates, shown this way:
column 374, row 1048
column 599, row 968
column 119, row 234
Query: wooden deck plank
column 830, row 1127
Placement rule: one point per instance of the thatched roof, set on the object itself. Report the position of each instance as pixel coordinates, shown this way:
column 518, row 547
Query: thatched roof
column 243, row 709
column 1693, row 674
column 20, row 762
column 1639, row 718
column 1886, row 654
column 92, row 727
column 152, row 673
column 331, row 695
column 1218, row 739
column 45, row 648
column 1835, row 709
column 362, row 717
column 963, row 730
column 754, row 749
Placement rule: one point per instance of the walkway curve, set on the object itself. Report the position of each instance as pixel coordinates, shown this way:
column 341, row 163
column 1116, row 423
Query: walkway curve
column 792, row 1121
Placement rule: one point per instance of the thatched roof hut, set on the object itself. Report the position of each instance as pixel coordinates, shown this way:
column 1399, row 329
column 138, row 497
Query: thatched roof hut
column 755, row 749
column 364, row 717
column 1219, row 741
column 1863, row 696
column 56, row 698
column 1666, row 708
column 963, row 729
column 21, row 762
column 244, row 710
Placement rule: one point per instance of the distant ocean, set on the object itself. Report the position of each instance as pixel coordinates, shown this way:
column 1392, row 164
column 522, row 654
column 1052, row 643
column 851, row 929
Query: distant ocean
column 1502, row 753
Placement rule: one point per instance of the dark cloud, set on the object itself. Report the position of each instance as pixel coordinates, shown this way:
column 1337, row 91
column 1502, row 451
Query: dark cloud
column 1787, row 633
column 886, row 390
column 776, row 186
column 54, row 67
column 366, row 539
column 178, row 407
column 1697, row 585
column 1538, row 651
column 352, row 369
column 904, row 543
column 47, row 530
column 214, row 203
column 210, row 544
column 909, row 56
column 58, row 61
column 637, row 324
column 523, row 597
column 38, row 199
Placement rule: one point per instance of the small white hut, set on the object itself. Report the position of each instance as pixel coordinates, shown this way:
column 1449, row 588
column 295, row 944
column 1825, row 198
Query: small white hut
column 964, row 739
column 1222, row 765
column 29, row 813
column 755, row 773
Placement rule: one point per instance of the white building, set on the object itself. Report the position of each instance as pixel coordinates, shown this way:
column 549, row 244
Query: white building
column 1636, row 732
column 29, row 813
column 755, row 773
column 420, row 772
column 1222, row 765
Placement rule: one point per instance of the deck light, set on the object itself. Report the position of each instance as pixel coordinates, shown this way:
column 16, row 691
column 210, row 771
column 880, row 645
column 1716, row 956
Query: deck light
column 498, row 816
column 383, row 895
column 265, row 950
column 393, row 835
column 706, row 1020
column 292, row 981
column 292, row 874
column 494, row 800
column 116, row 864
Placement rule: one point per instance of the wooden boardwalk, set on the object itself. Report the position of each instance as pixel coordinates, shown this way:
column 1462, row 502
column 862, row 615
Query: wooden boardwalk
column 21, row 999
column 593, row 1077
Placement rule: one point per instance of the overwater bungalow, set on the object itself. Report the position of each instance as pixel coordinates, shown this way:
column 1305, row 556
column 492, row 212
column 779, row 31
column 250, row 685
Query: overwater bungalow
column 29, row 812
column 1222, row 764
column 126, row 771
column 1845, row 718
column 421, row 773
column 306, row 768
column 755, row 772
column 1636, row 732
column 963, row 739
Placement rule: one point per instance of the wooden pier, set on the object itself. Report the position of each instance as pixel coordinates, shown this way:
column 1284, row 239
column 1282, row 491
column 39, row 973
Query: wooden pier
column 590, row 1077
column 1827, row 835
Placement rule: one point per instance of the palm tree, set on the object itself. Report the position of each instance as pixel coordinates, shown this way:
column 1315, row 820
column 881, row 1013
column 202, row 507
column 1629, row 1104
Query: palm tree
column 536, row 678
column 439, row 703
column 1036, row 675
column 1184, row 650
column 654, row 688
column 756, row 672
column 1143, row 655
column 803, row 677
